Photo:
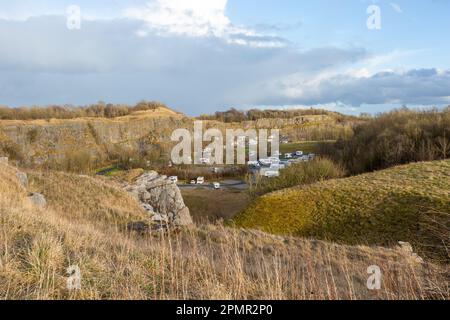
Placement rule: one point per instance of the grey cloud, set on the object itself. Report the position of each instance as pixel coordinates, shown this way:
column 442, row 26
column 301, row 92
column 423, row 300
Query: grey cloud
column 42, row 62
column 421, row 86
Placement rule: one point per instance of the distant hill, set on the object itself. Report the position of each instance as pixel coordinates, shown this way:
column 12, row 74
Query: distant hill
column 405, row 203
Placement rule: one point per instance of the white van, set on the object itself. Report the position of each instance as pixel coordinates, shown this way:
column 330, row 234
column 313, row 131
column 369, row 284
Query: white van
column 174, row 179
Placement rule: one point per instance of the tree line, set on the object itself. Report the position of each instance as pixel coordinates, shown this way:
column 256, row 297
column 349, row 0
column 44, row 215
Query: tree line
column 234, row 115
column 397, row 137
column 97, row 110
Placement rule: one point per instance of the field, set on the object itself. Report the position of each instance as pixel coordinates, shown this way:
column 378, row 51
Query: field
column 83, row 226
column 213, row 205
column 406, row 203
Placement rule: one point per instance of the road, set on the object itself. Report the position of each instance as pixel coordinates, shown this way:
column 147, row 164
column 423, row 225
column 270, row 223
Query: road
column 224, row 184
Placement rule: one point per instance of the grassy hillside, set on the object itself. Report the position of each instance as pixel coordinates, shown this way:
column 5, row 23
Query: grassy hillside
column 405, row 203
column 81, row 226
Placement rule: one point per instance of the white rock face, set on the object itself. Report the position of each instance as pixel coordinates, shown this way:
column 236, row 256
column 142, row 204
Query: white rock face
column 161, row 198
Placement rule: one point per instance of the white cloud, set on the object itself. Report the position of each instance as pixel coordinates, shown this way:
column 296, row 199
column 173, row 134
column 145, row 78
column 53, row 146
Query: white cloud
column 193, row 18
column 196, row 18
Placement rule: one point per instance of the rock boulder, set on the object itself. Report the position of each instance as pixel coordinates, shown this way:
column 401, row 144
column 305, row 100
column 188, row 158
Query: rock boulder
column 161, row 198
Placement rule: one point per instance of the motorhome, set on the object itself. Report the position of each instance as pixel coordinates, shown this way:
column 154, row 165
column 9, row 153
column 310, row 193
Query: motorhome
column 265, row 162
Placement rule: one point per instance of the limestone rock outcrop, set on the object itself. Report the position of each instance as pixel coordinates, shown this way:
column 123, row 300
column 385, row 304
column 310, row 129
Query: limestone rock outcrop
column 161, row 198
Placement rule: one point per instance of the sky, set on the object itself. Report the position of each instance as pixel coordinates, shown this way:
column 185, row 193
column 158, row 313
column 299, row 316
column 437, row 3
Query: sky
column 200, row 56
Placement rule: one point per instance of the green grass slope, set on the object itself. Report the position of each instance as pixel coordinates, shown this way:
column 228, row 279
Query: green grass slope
column 406, row 203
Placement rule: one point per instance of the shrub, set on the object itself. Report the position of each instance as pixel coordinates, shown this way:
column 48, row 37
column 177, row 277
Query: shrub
column 397, row 137
column 296, row 174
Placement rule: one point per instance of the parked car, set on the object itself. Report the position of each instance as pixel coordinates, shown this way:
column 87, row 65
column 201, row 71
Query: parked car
column 288, row 156
column 193, row 181
column 200, row 180
column 216, row 185
column 173, row 179
column 305, row 158
column 299, row 153
column 265, row 162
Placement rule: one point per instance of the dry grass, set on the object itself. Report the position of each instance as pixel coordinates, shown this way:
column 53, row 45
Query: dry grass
column 210, row 262
column 214, row 205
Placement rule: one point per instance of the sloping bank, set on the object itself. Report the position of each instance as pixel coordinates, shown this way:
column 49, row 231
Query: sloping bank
column 406, row 203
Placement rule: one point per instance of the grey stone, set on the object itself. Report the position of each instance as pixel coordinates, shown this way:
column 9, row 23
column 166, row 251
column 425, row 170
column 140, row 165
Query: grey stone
column 140, row 227
column 162, row 198
column 38, row 200
column 23, row 178
column 160, row 218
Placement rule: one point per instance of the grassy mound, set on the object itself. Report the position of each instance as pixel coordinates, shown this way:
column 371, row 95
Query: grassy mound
column 405, row 203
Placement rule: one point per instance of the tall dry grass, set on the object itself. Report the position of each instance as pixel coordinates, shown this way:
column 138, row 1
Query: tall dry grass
column 209, row 262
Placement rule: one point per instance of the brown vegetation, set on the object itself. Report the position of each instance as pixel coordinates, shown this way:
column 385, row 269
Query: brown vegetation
column 211, row 262
column 98, row 110
column 234, row 115
column 397, row 137
column 302, row 173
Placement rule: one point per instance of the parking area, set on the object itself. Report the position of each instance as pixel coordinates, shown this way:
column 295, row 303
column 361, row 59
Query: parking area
column 208, row 185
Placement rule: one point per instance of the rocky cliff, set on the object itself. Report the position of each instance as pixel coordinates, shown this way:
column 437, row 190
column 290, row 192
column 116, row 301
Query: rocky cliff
column 42, row 142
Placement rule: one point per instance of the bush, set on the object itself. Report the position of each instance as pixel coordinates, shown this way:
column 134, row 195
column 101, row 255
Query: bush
column 397, row 137
column 296, row 174
column 234, row 115
column 98, row 110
